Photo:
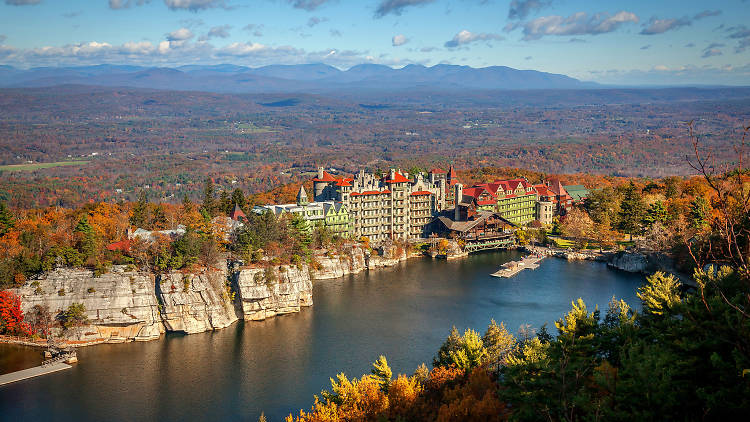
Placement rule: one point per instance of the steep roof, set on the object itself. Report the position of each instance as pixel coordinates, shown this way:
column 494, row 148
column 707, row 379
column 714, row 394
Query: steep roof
column 397, row 178
column 437, row 170
column 326, row 178
column 237, row 213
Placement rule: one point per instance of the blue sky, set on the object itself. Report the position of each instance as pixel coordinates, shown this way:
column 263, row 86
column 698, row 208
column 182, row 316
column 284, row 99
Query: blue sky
column 629, row 42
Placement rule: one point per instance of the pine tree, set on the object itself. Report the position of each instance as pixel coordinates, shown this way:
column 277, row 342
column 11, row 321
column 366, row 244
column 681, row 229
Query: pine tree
column 451, row 344
column 632, row 211
column 7, row 221
column 238, row 198
column 656, row 213
column 659, row 294
column 499, row 343
column 208, row 197
column 225, row 203
column 698, row 213
column 383, row 373
column 139, row 216
column 87, row 242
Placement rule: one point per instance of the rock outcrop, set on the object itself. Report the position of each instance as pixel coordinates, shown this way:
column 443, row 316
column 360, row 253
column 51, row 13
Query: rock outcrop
column 120, row 305
column 266, row 292
column 353, row 259
column 642, row 262
column 194, row 303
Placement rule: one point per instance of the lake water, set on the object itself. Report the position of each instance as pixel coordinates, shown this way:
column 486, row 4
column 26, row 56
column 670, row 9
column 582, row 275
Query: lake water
column 277, row 365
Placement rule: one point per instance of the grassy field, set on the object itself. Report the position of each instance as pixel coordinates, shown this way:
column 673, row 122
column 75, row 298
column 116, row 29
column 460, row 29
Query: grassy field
column 39, row 166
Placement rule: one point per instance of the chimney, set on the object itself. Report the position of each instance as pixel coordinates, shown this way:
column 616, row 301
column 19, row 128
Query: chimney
column 320, row 172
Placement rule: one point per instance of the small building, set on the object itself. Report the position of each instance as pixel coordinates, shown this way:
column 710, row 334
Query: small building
column 578, row 193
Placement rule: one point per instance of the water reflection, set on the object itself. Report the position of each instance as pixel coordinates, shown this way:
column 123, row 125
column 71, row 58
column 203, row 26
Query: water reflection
column 277, row 365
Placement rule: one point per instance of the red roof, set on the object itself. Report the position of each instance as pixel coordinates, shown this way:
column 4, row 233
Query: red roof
column 486, row 202
column 123, row 245
column 421, row 192
column 237, row 213
column 326, row 178
column 397, row 178
column 343, row 182
column 437, row 171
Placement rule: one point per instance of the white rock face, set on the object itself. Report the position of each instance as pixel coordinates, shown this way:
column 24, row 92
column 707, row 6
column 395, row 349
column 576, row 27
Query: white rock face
column 630, row 262
column 264, row 293
column 354, row 260
column 194, row 303
column 120, row 306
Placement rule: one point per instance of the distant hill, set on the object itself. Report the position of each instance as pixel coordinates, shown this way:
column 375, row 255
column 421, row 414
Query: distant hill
column 311, row 78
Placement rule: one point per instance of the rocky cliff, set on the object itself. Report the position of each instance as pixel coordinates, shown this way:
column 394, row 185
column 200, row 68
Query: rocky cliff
column 126, row 305
column 638, row 262
column 194, row 303
column 266, row 292
column 120, row 306
column 352, row 259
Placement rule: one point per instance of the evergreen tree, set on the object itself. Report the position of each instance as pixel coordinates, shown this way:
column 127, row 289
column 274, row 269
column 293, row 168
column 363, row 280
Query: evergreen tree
column 450, row 345
column 87, row 240
column 499, row 343
column 158, row 218
column 698, row 213
column 656, row 213
column 208, row 197
column 383, row 373
column 225, row 203
column 632, row 211
column 238, row 198
column 659, row 294
column 671, row 187
column 7, row 221
column 139, row 216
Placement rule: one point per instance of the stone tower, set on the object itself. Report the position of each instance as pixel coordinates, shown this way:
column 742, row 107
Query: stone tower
column 459, row 194
column 302, row 196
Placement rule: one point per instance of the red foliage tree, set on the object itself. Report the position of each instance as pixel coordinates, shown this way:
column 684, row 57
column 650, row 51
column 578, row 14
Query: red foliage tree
column 11, row 315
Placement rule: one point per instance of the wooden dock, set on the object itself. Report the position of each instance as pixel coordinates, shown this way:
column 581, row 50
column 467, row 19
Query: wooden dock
column 512, row 268
column 33, row 372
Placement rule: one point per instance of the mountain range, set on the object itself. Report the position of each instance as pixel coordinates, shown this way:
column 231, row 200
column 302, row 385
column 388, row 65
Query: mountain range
column 311, row 78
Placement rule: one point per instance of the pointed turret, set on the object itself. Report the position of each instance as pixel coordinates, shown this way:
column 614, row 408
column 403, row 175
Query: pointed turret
column 302, row 196
column 452, row 176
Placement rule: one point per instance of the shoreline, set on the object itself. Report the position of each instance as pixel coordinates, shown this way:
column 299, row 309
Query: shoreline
column 330, row 273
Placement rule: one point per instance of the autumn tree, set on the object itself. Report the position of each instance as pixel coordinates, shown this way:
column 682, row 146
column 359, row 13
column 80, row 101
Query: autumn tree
column 11, row 316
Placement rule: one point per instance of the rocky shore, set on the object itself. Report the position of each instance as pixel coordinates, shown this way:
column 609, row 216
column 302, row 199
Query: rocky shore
column 128, row 305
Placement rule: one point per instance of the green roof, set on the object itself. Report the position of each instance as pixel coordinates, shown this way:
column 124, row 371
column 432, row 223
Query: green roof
column 577, row 192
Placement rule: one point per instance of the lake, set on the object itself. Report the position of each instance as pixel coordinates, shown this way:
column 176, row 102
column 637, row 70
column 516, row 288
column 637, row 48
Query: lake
column 277, row 365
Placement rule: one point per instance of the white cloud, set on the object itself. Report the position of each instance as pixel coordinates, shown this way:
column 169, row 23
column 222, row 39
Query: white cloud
column 519, row 9
column 22, row 2
column 576, row 24
column 660, row 26
column 124, row 4
column 193, row 5
column 308, row 5
column 181, row 34
column 221, row 31
column 396, row 7
column 398, row 40
column 315, row 20
column 465, row 37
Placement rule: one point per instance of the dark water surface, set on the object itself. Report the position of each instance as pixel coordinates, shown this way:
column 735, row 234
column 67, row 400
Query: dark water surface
column 277, row 365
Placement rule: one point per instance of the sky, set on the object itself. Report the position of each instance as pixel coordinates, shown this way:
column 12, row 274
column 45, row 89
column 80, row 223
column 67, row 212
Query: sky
column 620, row 42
